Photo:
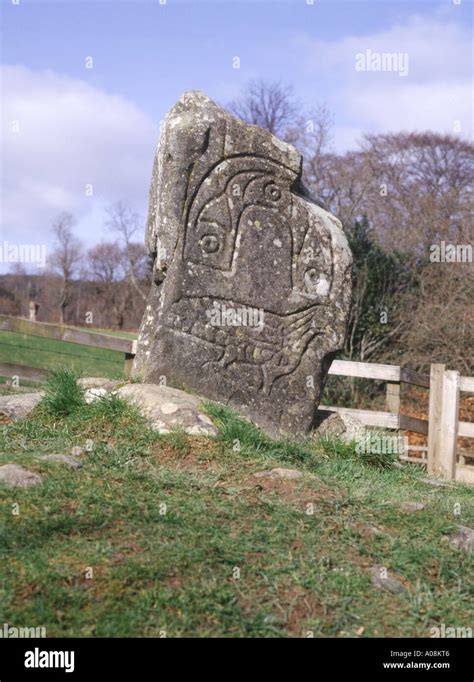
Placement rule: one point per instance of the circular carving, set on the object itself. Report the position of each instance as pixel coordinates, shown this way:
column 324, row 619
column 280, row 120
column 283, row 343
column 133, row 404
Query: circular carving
column 273, row 192
column 210, row 243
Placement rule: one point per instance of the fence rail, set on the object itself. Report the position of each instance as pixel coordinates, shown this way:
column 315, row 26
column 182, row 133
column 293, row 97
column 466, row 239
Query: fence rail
column 442, row 427
column 69, row 334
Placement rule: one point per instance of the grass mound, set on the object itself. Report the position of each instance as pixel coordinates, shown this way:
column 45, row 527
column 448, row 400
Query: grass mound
column 173, row 534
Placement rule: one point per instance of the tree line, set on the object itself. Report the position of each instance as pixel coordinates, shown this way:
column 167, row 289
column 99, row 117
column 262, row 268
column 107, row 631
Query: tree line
column 105, row 286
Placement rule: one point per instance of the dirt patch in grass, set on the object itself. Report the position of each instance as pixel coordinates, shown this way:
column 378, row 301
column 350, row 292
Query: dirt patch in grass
column 293, row 606
column 175, row 582
column 367, row 532
column 195, row 453
column 302, row 607
column 298, row 493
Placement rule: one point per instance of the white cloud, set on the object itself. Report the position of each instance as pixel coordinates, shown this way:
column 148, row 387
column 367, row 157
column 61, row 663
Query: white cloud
column 434, row 94
column 70, row 134
column 430, row 106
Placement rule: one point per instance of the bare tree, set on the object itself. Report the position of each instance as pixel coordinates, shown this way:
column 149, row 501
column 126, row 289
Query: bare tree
column 270, row 105
column 107, row 266
column 318, row 135
column 439, row 320
column 427, row 181
column 273, row 106
column 65, row 258
column 122, row 219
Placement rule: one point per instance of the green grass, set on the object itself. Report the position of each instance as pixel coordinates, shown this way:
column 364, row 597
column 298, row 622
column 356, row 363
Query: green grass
column 63, row 395
column 174, row 534
column 35, row 351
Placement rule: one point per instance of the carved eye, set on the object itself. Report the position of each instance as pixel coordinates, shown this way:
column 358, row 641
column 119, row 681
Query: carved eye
column 316, row 282
column 272, row 192
column 209, row 243
column 311, row 279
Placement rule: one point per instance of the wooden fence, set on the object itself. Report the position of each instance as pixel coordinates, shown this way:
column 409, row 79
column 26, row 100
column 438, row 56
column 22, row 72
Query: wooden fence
column 442, row 428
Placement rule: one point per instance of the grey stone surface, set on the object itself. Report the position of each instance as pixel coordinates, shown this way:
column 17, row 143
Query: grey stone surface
column 169, row 408
column 92, row 394
column 279, row 472
column 19, row 406
column 436, row 483
column 99, row 382
column 338, row 425
column 15, row 476
column 383, row 581
column 71, row 462
column 463, row 538
column 251, row 278
column 412, row 506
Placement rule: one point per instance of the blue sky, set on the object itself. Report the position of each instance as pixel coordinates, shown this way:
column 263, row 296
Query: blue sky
column 78, row 126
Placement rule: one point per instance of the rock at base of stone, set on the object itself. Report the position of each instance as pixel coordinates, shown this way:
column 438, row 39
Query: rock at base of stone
column 15, row 476
column 93, row 394
column 19, row 406
column 169, row 408
column 99, row 382
column 338, row 425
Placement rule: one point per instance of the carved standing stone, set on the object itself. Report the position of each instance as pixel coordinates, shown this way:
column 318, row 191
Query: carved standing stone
column 251, row 279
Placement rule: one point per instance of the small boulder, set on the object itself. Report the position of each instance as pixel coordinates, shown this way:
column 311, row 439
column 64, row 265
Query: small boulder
column 71, row 462
column 280, row 472
column 412, row 506
column 338, row 425
column 463, row 539
column 19, row 406
column 436, row 483
column 15, row 476
column 169, row 408
column 99, row 382
column 383, row 581
column 94, row 394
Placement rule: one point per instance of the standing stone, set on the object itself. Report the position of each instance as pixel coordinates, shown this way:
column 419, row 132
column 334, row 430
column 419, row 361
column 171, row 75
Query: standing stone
column 251, row 278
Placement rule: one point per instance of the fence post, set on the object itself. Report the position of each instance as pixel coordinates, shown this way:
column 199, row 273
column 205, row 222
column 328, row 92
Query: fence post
column 392, row 397
column 129, row 358
column 449, row 424
column 443, row 421
column 435, row 412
